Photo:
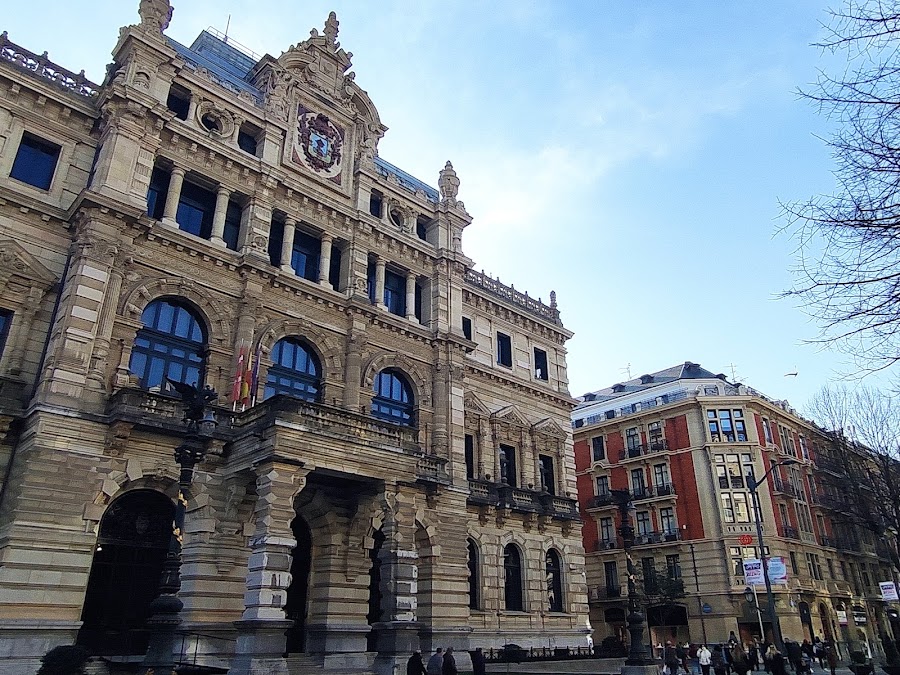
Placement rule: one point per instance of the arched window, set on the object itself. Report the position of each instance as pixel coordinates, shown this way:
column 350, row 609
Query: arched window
column 172, row 344
column 512, row 587
column 474, row 581
column 393, row 399
column 294, row 371
column 554, row 582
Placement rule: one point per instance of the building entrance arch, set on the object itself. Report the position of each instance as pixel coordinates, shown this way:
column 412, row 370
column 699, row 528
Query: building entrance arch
column 131, row 548
column 296, row 607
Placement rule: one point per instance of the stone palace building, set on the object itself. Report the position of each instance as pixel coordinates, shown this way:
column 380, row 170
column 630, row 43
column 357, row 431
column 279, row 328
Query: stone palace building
column 393, row 466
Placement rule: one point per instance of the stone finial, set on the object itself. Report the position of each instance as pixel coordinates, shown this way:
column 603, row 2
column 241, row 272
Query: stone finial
column 449, row 183
column 155, row 15
column 553, row 299
column 331, row 31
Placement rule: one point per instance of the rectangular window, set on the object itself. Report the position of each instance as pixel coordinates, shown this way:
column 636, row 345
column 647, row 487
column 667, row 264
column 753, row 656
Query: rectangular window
column 607, row 533
column 722, row 475
column 35, row 161
column 727, row 508
column 655, row 435
column 598, row 449
column 726, row 425
column 661, row 475
column 233, row 215
column 741, row 513
column 673, row 566
column 395, row 293
column 611, row 575
column 633, row 442
column 810, row 568
column 179, row 101
column 638, row 486
column 334, row 269
column 548, row 480
column 6, row 316
column 782, row 511
column 470, row 456
column 667, row 520
column 767, row 430
column 246, row 139
column 540, row 364
column 467, row 327
column 508, row 465
column 643, row 523
column 602, row 486
column 844, row 573
column 829, row 563
column 504, row 350
column 376, row 200
column 737, row 562
column 156, row 194
column 648, row 568
column 795, row 566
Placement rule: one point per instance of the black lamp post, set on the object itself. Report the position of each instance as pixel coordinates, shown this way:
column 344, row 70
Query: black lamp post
column 166, row 607
column 753, row 485
column 638, row 655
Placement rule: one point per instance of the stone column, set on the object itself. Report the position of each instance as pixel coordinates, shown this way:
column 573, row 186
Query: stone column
column 486, row 458
column 287, row 245
column 325, row 259
column 379, row 283
column 261, row 630
column 100, row 358
column 22, row 322
column 218, row 225
column 173, row 196
column 411, row 297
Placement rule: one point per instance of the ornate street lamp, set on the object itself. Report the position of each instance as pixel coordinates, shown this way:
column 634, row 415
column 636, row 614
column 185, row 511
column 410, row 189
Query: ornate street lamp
column 753, row 485
column 165, row 609
column 639, row 659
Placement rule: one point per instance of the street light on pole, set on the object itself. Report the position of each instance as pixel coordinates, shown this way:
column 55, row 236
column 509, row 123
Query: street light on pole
column 753, row 485
column 639, row 660
column 166, row 608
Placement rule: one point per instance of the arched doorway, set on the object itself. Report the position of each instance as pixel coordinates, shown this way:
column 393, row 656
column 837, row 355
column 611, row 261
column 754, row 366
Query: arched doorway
column 374, row 614
column 131, row 548
column 295, row 607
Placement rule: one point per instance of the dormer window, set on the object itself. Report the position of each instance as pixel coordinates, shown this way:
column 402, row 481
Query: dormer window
column 618, row 388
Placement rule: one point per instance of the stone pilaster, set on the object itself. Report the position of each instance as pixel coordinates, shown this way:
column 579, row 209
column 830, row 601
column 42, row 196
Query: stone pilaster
column 411, row 296
column 325, row 258
column 261, row 630
column 170, row 210
column 379, row 283
column 287, row 245
column 218, row 225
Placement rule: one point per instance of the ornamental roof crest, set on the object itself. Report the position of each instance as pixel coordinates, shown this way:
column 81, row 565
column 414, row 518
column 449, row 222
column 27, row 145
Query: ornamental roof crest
column 319, row 61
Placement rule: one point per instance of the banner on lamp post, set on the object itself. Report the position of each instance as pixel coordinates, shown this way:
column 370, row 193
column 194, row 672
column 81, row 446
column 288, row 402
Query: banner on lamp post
column 888, row 590
column 753, row 572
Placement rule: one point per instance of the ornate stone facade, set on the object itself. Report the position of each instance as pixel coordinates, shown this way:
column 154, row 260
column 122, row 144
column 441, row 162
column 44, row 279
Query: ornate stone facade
column 247, row 195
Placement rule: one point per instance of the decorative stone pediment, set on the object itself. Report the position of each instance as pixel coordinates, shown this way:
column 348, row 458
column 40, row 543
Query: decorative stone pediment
column 472, row 404
column 510, row 415
column 549, row 427
column 15, row 261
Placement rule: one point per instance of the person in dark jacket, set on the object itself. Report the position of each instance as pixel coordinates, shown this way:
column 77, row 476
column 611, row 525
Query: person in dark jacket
column 415, row 665
column 478, row 665
column 753, row 657
column 718, row 660
column 449, row 667
column 793, row 654
column 776, row 661
column 739, row 662
column 670, row 659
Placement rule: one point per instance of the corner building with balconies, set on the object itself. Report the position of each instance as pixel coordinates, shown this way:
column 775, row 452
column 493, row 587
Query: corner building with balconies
column 393, row 466
column 682, row 442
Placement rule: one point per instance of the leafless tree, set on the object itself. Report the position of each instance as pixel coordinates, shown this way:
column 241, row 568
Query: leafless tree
column 865, row 427
column 848, row 268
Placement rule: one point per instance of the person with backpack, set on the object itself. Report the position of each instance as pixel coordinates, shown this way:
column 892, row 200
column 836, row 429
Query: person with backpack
column 719, row 665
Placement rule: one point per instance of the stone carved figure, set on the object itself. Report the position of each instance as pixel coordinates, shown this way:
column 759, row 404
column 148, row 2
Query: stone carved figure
column 155, row 14
column 331, row 31
column 449, row 183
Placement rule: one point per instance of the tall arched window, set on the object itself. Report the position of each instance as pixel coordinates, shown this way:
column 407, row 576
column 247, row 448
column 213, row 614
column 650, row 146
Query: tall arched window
column 393, row 399
column 554, row 581
column 512, row 587
column 294, row 371
column 171, row 345
column 474, row 580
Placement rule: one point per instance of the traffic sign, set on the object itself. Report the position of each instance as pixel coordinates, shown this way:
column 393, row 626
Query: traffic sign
column 745, row 540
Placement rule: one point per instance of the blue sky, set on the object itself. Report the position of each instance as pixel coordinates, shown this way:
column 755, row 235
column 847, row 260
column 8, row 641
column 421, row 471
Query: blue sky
column 629, row 156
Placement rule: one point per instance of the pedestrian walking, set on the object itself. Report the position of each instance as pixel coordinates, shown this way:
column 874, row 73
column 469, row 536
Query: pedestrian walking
column 436, row 662
column 704, row 656
column 449, row 665
column 415, row 665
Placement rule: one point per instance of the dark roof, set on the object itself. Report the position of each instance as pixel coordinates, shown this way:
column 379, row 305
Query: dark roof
column 684, row 371
column 232, row 68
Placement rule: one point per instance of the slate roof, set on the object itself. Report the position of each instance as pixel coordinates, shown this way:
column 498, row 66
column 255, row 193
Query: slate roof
column 684, row 371
column 232, row 68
